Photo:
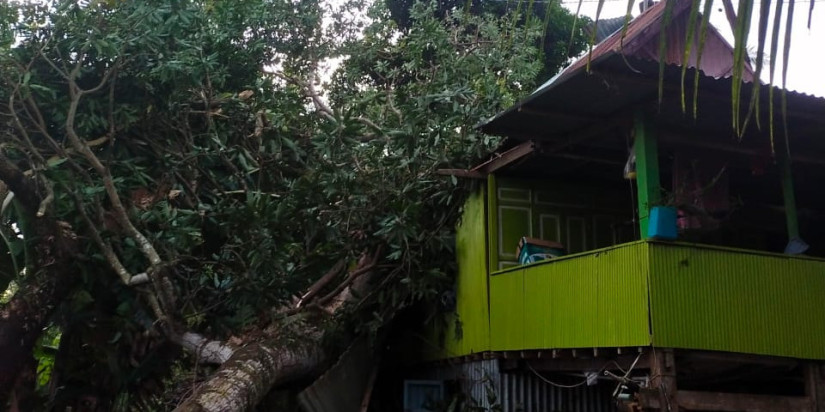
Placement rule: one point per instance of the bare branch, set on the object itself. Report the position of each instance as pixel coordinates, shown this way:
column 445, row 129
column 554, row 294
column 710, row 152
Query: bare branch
column 104, row 246
column 325, row 280
column 308, row 90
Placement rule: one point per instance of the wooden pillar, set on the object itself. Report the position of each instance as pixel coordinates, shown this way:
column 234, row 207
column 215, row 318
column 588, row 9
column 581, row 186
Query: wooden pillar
column 663, row 379
column 815, row 386
column 647, row 169
column 492, row 224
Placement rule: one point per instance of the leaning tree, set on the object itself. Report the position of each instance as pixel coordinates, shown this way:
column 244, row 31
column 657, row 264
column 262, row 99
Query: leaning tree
column 195, row 208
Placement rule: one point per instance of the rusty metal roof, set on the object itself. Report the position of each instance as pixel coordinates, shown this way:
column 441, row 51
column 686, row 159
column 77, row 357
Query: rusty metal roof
column 619, row 84
column 624, row 75
column 605, row 27
column 642, row 36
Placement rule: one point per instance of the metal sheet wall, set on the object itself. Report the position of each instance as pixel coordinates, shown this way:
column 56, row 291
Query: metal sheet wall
column 521, row 391
column 472, row 309
column 738, row 301
column 525, row 392
column 475, row 378
column 595, row 299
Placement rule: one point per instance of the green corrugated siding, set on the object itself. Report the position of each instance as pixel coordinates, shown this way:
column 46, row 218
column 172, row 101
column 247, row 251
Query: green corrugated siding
column 715, row 299
column 507, row 311
column 596, row 299
column 471, row 284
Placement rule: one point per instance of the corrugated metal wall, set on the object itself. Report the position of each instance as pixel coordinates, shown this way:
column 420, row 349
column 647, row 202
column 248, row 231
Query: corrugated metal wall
column 475, row 378
column 525, row 392
column 597, row 299
column 730, row 300
column 522, row 391
column 471, row 309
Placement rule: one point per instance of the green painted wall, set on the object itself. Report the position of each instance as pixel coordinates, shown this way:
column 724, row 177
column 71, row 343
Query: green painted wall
column 471, row 284
column 718, row 299
column 647, row 169
column 689, row 296
column 593, row 299
column 579, row 217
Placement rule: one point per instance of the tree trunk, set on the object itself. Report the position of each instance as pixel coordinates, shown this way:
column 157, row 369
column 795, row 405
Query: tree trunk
column 252, row 371
column 23, row 318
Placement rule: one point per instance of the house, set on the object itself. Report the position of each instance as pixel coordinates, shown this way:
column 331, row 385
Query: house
column 728, row 316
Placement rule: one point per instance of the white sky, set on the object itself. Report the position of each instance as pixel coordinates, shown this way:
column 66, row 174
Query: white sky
column 807, row 58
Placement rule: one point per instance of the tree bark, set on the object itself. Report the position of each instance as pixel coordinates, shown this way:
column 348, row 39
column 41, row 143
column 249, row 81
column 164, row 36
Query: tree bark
column 251, row 372
column 23, row 318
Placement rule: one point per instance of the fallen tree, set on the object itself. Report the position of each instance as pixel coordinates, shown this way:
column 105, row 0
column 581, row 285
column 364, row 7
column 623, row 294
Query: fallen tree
column 181, row 176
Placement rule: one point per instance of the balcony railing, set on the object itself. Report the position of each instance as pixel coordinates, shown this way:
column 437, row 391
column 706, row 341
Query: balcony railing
column 666, row 294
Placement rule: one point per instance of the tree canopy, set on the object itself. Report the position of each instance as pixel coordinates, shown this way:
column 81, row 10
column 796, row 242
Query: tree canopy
column 179, row 177
column 564, row 34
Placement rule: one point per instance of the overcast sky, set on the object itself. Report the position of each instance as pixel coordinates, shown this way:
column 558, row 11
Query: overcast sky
column 807, row 59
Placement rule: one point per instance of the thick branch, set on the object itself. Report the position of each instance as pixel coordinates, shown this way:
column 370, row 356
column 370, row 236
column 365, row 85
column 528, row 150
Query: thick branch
column 252, row 371
column 207, row 351
column 24, row 189
column 160, row 285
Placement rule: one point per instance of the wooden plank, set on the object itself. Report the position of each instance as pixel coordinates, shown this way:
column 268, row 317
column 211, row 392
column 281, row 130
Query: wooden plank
column 740, row 358
column 500, row 160
column 492, row 229
column 741, row 402
column 677, row 138
column 549, row 364
column 471, row 174
column 728, row 402
column 815, row 386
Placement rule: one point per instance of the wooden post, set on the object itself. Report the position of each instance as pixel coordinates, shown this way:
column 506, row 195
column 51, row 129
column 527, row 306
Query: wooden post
column 492, row 224
column 815, row 386
column 647, row 169
column 663, row 379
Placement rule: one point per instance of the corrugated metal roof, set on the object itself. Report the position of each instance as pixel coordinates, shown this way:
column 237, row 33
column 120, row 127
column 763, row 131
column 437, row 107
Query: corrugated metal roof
column 641, row 39
column 606, row 27
column 639, row 31
column 624, row 74
column 618, row 84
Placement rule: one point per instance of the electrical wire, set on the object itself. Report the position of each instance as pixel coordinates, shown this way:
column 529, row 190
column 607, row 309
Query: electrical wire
column 558, row 385
column 576, row 385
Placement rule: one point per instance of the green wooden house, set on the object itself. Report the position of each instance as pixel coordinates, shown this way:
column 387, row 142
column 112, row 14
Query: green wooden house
column 728, row 316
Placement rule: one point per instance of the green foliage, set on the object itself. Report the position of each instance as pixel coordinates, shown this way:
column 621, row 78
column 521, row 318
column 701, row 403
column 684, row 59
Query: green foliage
column 562, row 37
column 248, row 185
column 44, row 353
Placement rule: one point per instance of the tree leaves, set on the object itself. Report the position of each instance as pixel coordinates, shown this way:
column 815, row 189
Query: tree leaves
column 248, row 200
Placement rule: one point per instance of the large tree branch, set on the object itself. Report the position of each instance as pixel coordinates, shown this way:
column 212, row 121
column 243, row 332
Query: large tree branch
column 24, row 189
column 207, row 351
column 162, row 287
column 253, row 370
